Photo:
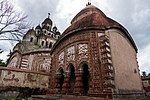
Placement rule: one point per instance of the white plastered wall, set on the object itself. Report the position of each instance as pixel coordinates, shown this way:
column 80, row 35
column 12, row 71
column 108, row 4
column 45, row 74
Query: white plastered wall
column 124, row 62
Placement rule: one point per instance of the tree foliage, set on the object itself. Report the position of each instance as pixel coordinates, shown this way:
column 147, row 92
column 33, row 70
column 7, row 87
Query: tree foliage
column 3, row 63
column 12, row 22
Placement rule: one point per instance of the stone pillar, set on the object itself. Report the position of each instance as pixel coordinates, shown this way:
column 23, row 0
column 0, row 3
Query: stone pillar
column 91, row 90
column 78, row 83
column 51, row 86
column 65, row 89
column 57, row 83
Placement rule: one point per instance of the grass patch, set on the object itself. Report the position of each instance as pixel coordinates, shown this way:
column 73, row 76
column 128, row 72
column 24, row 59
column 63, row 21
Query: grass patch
column 14, row 99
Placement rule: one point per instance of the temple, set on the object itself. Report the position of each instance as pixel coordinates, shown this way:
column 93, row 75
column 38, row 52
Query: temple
column 94, row 57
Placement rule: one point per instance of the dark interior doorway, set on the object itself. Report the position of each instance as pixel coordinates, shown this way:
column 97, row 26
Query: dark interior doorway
column 61, row 78
column 72, row 78
column 85, row 78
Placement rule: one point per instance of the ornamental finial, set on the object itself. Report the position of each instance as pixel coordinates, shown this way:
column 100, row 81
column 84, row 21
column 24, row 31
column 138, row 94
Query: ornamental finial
column 48, row 15
column 89, row 3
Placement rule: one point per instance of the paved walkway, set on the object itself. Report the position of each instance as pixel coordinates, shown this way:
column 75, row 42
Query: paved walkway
column 82, row 98
column 71, row 97
column 146, row 98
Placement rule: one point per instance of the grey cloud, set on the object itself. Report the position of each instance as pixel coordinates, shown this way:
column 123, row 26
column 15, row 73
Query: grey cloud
column 37, row 10
column 5, row 46
column 134, row 15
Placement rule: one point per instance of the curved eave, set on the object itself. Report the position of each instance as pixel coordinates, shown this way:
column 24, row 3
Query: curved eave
column 37, row 51
column 45, row 50
column 96, row 28
column 17, row 51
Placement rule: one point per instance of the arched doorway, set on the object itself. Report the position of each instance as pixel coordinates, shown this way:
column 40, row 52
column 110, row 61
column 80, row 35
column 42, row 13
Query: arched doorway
column 85, row 78
column 61, row 80
column 71, row 78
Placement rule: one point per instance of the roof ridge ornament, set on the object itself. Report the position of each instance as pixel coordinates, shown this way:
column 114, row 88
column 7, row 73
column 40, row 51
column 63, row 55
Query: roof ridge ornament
column 49, row 15
column 89, row 3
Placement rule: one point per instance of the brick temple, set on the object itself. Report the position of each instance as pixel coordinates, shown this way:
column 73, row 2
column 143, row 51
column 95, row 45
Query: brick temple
column 94, row 57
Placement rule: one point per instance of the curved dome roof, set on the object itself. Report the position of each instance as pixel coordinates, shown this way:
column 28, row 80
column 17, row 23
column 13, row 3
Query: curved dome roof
column 29, row 32
column 38, row 27
column 57, row 33
column 89, row 9
column 93, row 18
column 45, row 27
column 47, row 21
column 54, row 27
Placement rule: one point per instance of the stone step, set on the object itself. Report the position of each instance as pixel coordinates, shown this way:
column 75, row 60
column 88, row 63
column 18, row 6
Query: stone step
column 64, row 97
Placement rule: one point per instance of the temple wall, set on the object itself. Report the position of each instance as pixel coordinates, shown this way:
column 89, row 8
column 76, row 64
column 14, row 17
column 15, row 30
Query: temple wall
column 125, row 63
column 23, row 78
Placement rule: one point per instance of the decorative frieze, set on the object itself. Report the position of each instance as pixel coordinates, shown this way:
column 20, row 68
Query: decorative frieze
column 106, row 62
column 71, row 54
column 46, row 64
column 22, row 78
column 61, row 58
column 83, row 51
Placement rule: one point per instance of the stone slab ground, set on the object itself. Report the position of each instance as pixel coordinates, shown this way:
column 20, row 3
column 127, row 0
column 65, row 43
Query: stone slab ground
column 70, row 97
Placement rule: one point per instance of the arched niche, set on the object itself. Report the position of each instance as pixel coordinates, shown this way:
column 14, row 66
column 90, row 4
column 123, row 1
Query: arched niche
column 72, row 78
column 61, row 78
column 85, row 76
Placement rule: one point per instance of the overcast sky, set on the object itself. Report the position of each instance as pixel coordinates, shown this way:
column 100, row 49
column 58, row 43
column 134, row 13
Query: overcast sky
column 134, row 15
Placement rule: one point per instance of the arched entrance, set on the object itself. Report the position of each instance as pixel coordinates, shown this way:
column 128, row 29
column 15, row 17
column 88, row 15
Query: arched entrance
column 85, row 78
column 61, row 80
column 71, row 78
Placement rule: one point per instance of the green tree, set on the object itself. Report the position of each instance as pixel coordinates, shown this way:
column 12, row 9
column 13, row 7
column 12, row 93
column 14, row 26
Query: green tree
column 2, row 63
